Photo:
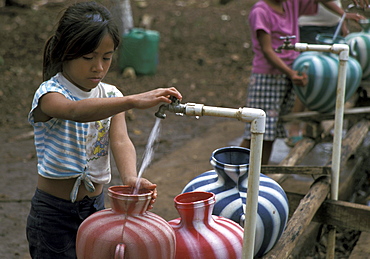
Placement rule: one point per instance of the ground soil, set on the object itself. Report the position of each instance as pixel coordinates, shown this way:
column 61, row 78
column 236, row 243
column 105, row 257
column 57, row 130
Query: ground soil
column 204, row 51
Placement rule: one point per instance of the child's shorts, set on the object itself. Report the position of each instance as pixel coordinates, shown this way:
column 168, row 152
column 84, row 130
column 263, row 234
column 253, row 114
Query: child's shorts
column 274, row 94
column 53, row 223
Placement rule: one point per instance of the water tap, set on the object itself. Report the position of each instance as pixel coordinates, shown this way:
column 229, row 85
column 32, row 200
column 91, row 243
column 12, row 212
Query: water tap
column 175, row 106
column 287, row 43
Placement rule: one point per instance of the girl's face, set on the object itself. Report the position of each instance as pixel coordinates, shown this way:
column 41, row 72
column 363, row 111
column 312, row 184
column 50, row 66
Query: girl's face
column 87, row 71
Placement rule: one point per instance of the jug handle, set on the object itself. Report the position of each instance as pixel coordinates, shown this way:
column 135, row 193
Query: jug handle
column 353, row 47
column 120, row 251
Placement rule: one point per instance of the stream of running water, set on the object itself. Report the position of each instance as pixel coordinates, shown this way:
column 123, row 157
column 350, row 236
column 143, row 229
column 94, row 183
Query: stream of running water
column 149, row 151
column 147, row 158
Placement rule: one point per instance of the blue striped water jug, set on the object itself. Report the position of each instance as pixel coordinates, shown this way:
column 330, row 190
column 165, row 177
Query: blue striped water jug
column 229, row 182
column 322, row 70
column 359, row 46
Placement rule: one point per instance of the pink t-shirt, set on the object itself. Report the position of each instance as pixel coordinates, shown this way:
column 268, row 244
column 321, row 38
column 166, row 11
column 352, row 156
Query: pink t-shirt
column 263, row 17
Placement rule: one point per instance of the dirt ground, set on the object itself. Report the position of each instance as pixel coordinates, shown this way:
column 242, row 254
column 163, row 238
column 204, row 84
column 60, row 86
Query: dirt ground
column 204, row 51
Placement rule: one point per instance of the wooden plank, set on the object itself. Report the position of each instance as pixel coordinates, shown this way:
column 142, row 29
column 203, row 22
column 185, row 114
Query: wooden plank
column 302, row 170
column 350, row 144
column 359, row 113
column 349, row 179
column 338, row 213
column 302, row 148
column 300, row 219
column 354, row 138
column 345, row 214
column 294, row 199
column 347, row 185
column 362, row 248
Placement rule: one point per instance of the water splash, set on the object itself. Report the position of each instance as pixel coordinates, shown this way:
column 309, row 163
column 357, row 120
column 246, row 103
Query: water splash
column 149, row 151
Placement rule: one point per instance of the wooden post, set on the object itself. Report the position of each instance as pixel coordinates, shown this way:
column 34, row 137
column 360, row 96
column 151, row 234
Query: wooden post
column 301, row 149
column 301, row 219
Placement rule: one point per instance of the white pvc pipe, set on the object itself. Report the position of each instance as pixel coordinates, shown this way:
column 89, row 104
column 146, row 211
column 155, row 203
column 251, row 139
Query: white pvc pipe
column 338, row 126
column 343, row 51
column 337, row 141
column 252, row 195
column 257, row 118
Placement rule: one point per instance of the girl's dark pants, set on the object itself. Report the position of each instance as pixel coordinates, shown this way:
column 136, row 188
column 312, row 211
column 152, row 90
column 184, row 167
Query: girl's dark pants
column 53, row 223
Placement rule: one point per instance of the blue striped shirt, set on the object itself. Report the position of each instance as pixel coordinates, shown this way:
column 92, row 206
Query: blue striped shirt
column 68, row 149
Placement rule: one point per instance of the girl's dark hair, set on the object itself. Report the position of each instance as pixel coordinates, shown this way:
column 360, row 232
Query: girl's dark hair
column 79, row 32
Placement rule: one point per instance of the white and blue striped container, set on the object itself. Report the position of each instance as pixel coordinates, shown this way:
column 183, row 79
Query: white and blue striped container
column 229, row 182
column 359, row 46
column 322, row 70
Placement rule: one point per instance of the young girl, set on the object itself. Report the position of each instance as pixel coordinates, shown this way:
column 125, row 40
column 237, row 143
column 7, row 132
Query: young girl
column 270, row 87
column 77, row 121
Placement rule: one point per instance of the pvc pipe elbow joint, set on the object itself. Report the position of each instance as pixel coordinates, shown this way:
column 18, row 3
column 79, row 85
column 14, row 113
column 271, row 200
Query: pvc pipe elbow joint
column 256, row 117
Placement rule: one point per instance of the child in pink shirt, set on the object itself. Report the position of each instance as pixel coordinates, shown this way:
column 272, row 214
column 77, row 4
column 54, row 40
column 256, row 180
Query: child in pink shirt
column 264, row 17
column 270, row 87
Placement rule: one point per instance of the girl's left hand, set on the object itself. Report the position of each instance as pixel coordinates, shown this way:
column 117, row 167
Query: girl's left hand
column 144, row 183
column 355, row 16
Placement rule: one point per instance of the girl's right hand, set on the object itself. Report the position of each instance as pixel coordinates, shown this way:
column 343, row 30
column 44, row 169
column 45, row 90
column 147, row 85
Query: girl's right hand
column 152, row 98
column 299, row 79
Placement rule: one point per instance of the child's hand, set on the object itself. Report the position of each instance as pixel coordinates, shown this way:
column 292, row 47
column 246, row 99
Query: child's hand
column 154, row 97
column 299, row 79
column 355, row 16
column 144, row 183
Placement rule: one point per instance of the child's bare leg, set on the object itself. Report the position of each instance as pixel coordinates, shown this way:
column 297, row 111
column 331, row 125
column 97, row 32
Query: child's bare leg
column 295, row 127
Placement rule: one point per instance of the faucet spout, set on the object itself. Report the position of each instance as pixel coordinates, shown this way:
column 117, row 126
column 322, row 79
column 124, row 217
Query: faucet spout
column 175, row 106
column 287, row 44
column 161, row 111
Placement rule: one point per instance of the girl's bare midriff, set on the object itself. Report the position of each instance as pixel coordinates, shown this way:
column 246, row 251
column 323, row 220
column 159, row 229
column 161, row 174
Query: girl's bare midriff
column 62, row 188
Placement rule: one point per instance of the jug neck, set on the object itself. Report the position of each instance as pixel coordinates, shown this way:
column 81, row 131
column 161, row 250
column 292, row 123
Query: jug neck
column 231, row 164
column 195, row 208
column 365, row 25
column 230, row 175
column 123, row 200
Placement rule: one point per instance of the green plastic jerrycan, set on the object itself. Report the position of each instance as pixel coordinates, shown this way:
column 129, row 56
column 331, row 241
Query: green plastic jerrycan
column 139, row 50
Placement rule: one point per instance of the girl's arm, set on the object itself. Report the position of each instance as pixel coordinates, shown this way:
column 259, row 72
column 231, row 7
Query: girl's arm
column 264, row 40
column 364, row 4
column 125, row 155
column 55, row 105
column 332, row 6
